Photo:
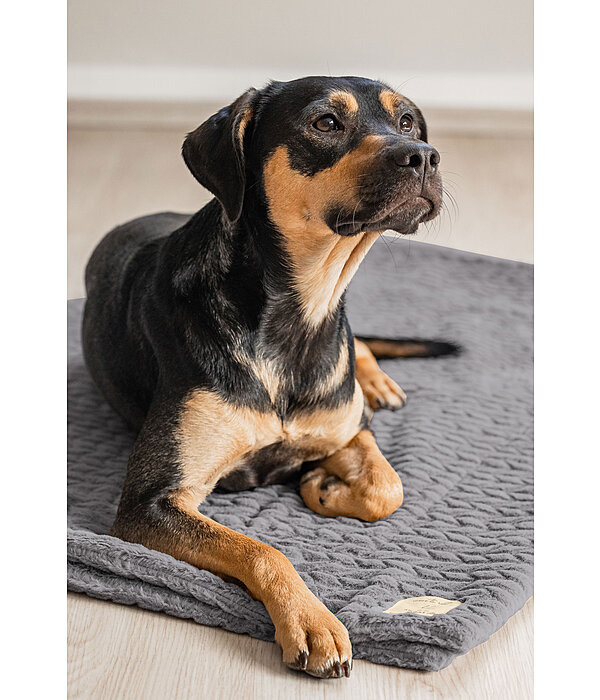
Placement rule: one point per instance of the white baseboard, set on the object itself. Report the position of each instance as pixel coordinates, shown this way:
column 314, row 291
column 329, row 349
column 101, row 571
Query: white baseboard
column 473, row 90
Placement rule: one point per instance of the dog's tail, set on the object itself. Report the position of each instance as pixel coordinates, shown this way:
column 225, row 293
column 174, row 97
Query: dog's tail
column 390, row 348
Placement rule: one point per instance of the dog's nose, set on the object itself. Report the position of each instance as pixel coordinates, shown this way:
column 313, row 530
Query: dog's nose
column 420, row 156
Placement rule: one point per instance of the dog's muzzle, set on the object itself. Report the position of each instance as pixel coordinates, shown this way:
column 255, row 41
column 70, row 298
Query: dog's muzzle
column 402, row 189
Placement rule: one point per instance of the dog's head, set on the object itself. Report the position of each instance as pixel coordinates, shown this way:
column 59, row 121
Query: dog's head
column 337, row 155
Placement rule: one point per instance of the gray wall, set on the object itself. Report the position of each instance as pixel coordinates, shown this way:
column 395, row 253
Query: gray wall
column 480, row 49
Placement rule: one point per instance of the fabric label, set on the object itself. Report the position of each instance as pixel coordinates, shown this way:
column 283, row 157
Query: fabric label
column 425, row 605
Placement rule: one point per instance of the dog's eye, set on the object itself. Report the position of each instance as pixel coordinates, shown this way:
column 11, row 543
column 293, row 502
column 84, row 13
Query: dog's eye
column 406, row 124
column 328, row 123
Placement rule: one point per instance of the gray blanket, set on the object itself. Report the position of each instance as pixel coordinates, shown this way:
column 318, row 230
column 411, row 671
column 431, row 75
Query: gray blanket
column 463, row 447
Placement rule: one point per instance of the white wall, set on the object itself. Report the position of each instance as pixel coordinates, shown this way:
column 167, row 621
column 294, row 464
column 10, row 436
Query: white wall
column 451, row 52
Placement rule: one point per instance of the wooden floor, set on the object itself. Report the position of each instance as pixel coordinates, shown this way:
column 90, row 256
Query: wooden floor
column 122, row 653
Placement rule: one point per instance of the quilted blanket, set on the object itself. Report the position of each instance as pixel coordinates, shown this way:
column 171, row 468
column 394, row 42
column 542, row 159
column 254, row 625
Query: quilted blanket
column 463, row 447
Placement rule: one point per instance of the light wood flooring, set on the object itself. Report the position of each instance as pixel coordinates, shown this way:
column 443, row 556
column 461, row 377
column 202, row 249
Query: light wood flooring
column 118, row 652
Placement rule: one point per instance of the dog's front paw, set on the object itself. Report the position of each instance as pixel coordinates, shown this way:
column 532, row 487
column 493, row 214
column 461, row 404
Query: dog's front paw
column 382, row 392
column 315, row 641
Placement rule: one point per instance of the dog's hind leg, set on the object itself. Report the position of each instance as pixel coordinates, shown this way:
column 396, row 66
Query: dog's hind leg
column 379, row 390
column 357, row 482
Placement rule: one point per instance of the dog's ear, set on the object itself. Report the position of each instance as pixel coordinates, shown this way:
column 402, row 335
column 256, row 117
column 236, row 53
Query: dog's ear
column 214, row 153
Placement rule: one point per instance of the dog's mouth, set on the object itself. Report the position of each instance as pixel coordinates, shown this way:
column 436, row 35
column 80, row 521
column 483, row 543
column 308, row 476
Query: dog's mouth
column 403, row 218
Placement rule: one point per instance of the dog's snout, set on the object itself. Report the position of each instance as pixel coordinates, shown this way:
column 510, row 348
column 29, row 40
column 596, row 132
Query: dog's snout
column 420, row 156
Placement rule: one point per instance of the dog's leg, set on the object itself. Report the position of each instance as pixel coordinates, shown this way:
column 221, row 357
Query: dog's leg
column 159, row 509
column 357, row 481
column 378, row 388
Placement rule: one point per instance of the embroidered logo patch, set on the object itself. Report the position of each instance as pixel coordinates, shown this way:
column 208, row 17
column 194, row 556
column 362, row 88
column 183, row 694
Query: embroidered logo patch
column 425, row 605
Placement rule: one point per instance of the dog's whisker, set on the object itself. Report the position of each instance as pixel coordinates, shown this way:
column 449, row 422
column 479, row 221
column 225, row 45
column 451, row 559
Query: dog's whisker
column 449, row 197
column 354, row 212
column 451, row 172
column 383, row 238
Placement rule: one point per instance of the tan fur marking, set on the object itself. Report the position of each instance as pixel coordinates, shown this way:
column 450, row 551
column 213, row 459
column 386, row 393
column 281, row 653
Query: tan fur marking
column 323, row 262
column 213, row 436
column 345, row 100
column 324, row 269
column 246, row 117
column 390, row 101
column 337, row 374
column 326, row 429
column 297, row 202
column 265, row 369
column 366, row 487
column 362, row 352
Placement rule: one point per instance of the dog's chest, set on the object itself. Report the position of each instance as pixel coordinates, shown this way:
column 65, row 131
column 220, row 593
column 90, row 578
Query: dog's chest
column 289, row 380
column 281, row 450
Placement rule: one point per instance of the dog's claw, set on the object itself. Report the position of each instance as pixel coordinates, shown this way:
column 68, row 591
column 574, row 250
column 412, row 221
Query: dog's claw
column 337, row 669
column 302, row 660
column 347, row 667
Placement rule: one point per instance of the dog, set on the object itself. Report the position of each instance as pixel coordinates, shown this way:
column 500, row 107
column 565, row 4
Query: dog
column 222, row 338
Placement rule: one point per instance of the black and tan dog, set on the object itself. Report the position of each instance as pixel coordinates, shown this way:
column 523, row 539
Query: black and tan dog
column 222, row 337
